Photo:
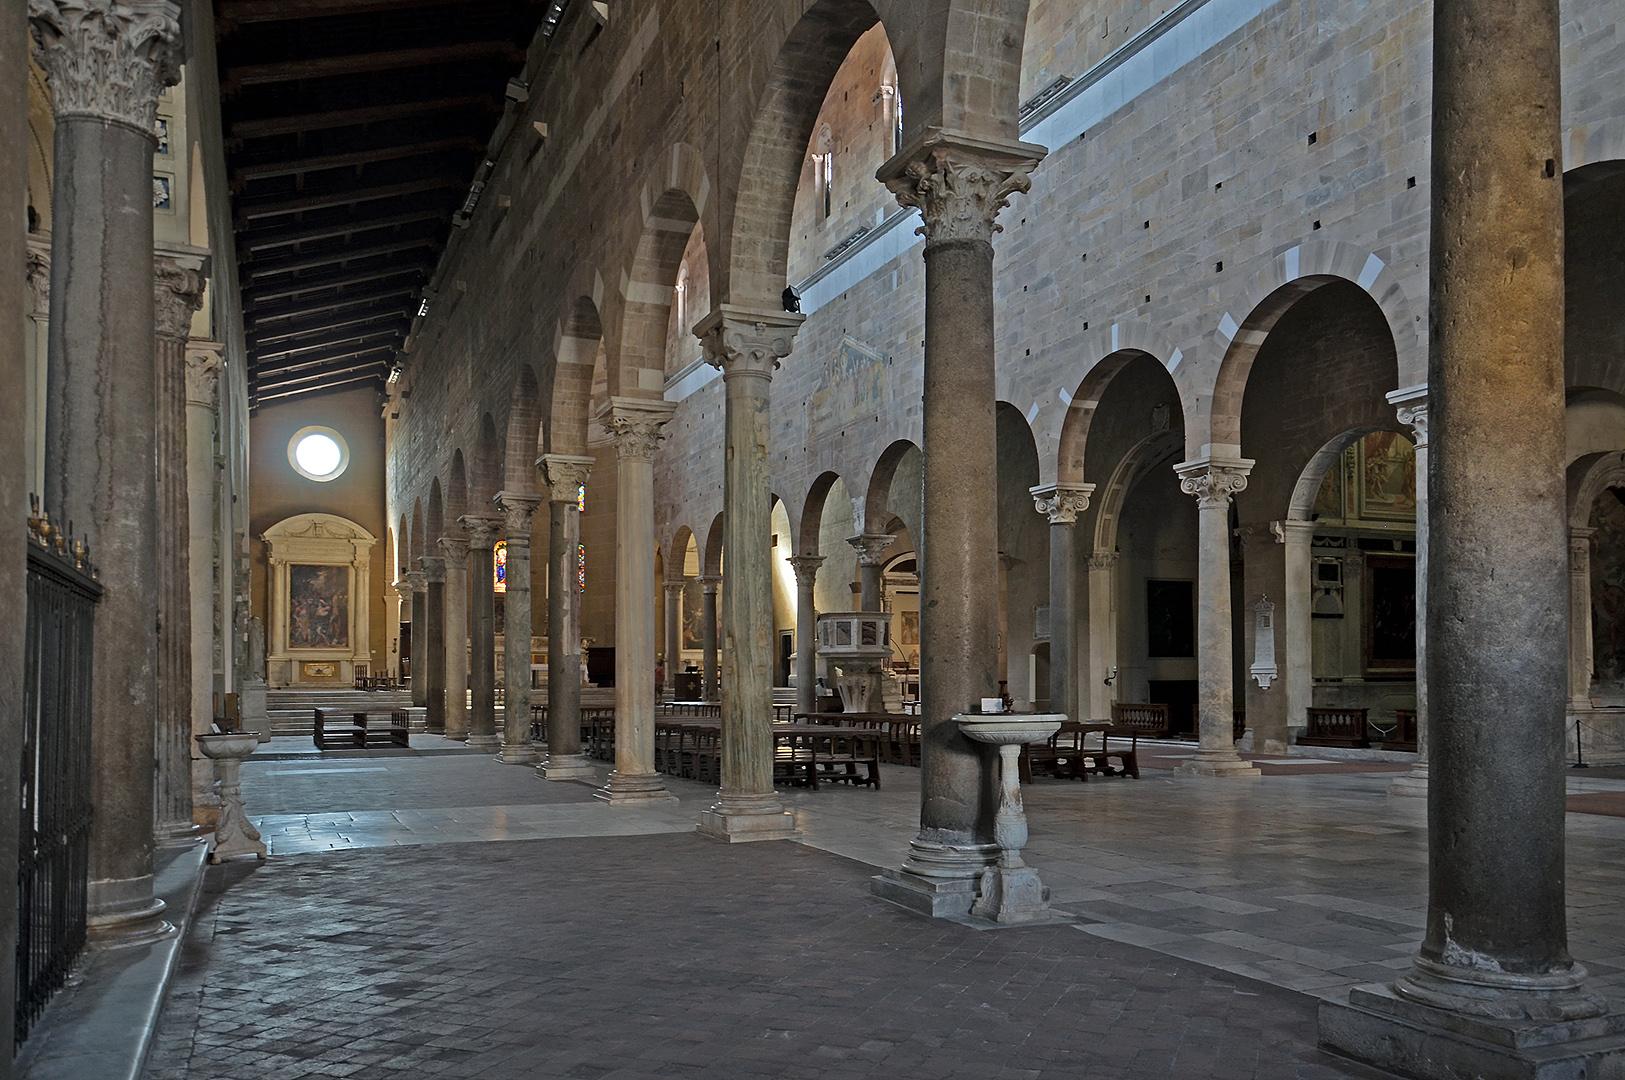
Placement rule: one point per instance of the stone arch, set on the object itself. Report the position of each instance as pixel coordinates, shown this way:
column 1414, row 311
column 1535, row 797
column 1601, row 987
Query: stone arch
column 1314, row 473
column 400, row 545
column 812, row 514
column 456, row 494
column 576, row 349
column 1589, row 477
column 712, row 556
column 435, row 519
column 1080, row 414
column 487, row 476
column 1589, row 144
column 1288, row 277
column 1149, row 453
column 678, row 551
column 523, row 444
column 415, row 551
column 877, row 497
column 648, row 289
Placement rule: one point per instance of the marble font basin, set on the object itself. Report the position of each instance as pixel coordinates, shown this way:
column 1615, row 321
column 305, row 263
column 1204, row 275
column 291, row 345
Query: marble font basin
column 1009, row 728
column 236, row 744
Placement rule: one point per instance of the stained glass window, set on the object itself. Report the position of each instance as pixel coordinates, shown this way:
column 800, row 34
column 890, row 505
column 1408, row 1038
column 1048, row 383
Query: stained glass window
column 499, row 567
column 581, row 567
column 581, row 499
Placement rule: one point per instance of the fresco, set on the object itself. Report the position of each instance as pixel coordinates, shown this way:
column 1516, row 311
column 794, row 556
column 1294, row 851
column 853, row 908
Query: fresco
column 318, row 607
column 1387, row 477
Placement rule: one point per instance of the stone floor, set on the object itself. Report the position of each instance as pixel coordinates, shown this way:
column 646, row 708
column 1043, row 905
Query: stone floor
column 1207, row 916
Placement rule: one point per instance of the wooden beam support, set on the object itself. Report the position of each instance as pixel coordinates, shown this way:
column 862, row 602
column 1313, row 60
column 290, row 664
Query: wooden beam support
column 340, row 118
column 256, row 399
column 243, row 12
column 397, row 320
column 361, row 193
column 326, row 352
column 371, row 296
column 264, row 241
column 327, row 67
column 299, row 166
column 338, row 256
column 334, row 281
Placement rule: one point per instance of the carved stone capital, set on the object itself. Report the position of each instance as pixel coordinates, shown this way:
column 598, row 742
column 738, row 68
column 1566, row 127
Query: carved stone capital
column 454, row 550
column 517, row 507
column 674, row 590
column 1411, row 406
column 403, row 589
column 1061, row 503
column 416, row 579
column 636, row 423
column 177, row 291
column 39, row 283
column 806, row 568
column 1102, row 560
column 959, row 182
column 1214, row 482
column 434, row 569
column 871, row 548
column 709, row 583
column 203, row 375
column 482, row 530
column 108, row 59
column 566, row 475
column 747, row 341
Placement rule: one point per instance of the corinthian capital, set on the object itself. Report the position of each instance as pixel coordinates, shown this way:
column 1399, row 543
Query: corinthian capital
column 566, row 475
column 482, row 530
column 454, row 550
column 202, row 374
column 1061, row 503
column 806, row 568
column 108, row 59
column 177, row 291
column 748, row 341
column 1214, row 482
column 517, row 507
column 871, row 548
column 959, row 182
column 636, row 423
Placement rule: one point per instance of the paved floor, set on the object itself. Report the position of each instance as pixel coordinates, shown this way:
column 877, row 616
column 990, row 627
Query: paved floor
column 1208, row 916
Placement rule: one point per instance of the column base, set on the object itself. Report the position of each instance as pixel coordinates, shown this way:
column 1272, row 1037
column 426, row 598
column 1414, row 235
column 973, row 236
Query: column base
column 1381, row 1028
column 487, row 742
column 177, row 833
column 1413, row 783
column 940, row 877
column 1012, row 895
column 518, row 754
column 567, row 767
column 1217, row 763
column 456, row 736
column 136, row 919
column 626, row 789
column 743, row 818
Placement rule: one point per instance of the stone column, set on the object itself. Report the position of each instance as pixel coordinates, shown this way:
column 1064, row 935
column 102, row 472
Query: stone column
column 517, row 507
column 636, row 423
column 1412, row 408
column 709, row 584
column 1297, row 539
column 420, row 636
column 106, row 64
column 37, row 349
column 1214, row 482
column 747, row 344
column 1102, row 634
column 566, row 476
column 871, row 565
column 959, row 183
column 674, row 632
column 177, row 293
column 1580, row 618
column 454, row 555
column 1061, row 504
column 434, row 640
column 403, row 607
column 1493, row 990
column 806, row 568
column 202, row 394
column 482, row 635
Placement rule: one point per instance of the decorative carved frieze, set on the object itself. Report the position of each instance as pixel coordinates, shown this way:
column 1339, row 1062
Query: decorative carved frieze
column 1214, row 483
column 108, row 59
column 1102, row 560
column 1062, row 503
column 960, row 183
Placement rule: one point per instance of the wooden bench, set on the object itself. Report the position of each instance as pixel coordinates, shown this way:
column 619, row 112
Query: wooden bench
column 1062, row 756
column 1404, row 734
column 357, row 732
column 1336, row 727
column 900, row 732
column 1144, row 721
column 811, row 754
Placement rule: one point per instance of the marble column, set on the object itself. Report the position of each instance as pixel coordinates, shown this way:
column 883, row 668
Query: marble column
column 674, row 632
column 1061, row 504
column 434, row 640
column 709, row 583
column 105, row 65
column 403, row 613
column 1411, row 405
column 419, row 656
column 37, row 349
column 747, row 344
column 636, row 423
column 1102, row 633
column 202, row 396
column 482, row 621
column 806, row 568
column 1580, row 618
column 454, row 556
column 959, row 183
column 1297, row 539
column 1493, row 990
column 517, row 508
column 871, row 551
column 566, row 476
column 1214, row 482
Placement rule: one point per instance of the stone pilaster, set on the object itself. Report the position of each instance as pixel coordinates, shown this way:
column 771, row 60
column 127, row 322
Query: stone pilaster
column 871, row 551
column 1411, row 406
column 203, row 361
column 1296, row 539
column 806, row 569
column 566, row 476
column 482, row 643
column 709, row 584
column 454, row 556
column 636, row 423
column 1102, row 634
column 517, row 508
column 959, row 183
column 1214, row 482
column 1493, row 990
column 1061, row 504
column 106, row 63
column 747, row 344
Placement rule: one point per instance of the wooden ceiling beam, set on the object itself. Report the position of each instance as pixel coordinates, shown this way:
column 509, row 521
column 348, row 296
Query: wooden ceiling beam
column 327, row 67
column 256, row 399
column 242, row 12
column 299, row 123
column 257, row 319
column 299, row 166
column 337, row 256
column 379, row 358
column 264, row 241
column 349, row 197
column 340, row 347
column 298, row 288
column 397, row 320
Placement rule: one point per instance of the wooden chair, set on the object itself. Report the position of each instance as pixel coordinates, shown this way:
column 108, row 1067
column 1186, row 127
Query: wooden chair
column 1336, row 727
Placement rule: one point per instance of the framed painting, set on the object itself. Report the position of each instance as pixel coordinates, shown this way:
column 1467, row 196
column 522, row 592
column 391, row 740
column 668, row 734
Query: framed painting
column 1390, row 622
column 1387, row 477
column 318, row 607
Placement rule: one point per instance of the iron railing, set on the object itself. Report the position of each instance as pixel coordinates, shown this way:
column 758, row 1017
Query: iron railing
column 54, row 842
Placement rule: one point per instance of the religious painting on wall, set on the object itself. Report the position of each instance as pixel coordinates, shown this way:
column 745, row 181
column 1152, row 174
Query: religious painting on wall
column 1329, row 499
column 1387, row 477
column 1608, row 597
column 1390, row 637
column 1170, row 616
column 318, row 607
column 693, row 614
column 908, row 630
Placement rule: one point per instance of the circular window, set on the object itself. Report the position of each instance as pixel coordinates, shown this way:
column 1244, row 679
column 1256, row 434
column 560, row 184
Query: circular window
column 318, row 453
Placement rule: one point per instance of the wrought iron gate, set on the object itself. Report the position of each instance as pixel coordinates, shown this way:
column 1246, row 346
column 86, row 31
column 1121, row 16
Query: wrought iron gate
column 54, row 843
